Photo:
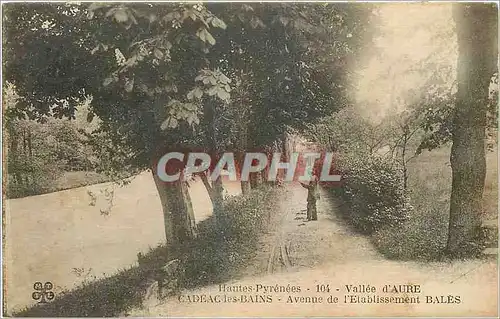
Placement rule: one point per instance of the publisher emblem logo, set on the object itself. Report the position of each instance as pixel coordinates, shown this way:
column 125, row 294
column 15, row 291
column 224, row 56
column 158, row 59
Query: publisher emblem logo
column 43, row 292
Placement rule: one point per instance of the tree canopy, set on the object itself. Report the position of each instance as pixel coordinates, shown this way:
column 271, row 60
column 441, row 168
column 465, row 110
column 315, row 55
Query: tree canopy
column 183, row 76
column 152, row 69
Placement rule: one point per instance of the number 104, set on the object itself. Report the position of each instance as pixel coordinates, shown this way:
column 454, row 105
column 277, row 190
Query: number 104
column 322, row 288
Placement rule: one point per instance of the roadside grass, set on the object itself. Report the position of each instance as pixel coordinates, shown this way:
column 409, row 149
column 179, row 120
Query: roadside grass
column 423, row 236
column 49, row 183
column 78, row 179
column 216, row 255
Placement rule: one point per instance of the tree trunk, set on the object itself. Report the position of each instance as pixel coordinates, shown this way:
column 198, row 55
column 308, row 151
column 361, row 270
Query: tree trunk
column 178, row 213
column 245, row 187
column 403, row 157
column 13, row 155
column 217, row 189
column 276, row 147
column 218, row 198
column 477, row 45
column 30, row 147
column 255, row 179
column 285, row 146
column 242, row 122
column 215, row 192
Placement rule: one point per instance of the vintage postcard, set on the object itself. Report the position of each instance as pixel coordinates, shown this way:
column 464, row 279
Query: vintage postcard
column 249, row 159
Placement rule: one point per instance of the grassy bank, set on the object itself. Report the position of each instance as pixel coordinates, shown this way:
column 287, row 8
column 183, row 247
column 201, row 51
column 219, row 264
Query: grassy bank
column 424, row 234
column 215, row 256
column 57, row 182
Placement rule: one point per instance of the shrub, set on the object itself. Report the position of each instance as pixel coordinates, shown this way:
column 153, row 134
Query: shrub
column 246, row 213
column 422, row 237
column 374, row 192
column 223, row 247
column 40, row 153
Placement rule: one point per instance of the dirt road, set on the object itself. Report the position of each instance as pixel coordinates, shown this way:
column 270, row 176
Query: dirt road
column 325, row 252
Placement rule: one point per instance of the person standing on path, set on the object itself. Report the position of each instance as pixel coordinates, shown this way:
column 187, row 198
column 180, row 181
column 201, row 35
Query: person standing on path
column 312, row 197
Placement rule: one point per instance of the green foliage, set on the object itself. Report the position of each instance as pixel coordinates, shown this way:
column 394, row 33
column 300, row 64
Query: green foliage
column 439, row 105
column 423, row 235
column 348, row 131
column 48, row 77
column 137, row 80
column 229, row 244
column 292, row 63
column 247, row 214
column 123, row 290
column 38, row 154
column 374, row 193
column 152, row 69
column 437, row 122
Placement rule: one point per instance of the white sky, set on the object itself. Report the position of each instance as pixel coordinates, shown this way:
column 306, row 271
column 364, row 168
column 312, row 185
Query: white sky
column 409, row 33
